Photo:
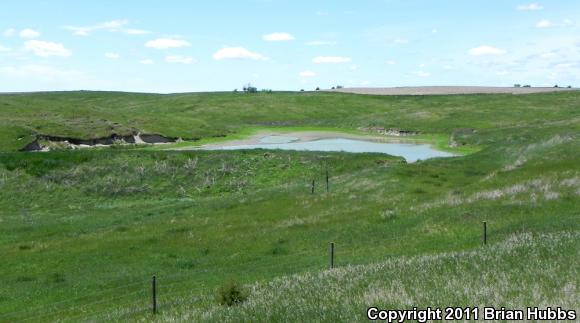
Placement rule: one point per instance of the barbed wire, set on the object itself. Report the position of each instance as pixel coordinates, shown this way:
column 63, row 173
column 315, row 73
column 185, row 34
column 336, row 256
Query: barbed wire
column 285, row 265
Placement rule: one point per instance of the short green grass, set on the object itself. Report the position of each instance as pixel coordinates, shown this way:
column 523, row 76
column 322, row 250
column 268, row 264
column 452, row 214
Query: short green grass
column 503, row 275
column 196, row 116
column 82, row 232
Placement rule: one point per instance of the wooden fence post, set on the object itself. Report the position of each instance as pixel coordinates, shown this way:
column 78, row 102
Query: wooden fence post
column 484, row 233
column 331, row 255
column 154, row 291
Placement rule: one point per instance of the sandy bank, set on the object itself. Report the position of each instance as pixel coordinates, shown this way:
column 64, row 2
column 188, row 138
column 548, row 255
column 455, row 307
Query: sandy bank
column 300, row 136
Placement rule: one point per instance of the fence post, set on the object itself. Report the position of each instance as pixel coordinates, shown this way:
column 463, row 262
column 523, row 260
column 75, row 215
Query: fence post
column 327, row 185
column 312, row 190
column 331, row 255
column 154, row 291
column 484, row 232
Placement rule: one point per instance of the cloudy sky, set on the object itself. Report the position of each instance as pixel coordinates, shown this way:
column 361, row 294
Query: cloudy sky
column 180, row 46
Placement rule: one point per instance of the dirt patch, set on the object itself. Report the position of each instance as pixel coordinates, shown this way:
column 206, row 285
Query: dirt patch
column 299, row 136
column 156, row 139
column 390, row 132
column 48, row 142
column 445, row 90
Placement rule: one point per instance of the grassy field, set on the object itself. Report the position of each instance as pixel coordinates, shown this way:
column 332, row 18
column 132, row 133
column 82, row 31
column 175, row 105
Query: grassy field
column 82, row 232
column 87, row 115
column 502, row 275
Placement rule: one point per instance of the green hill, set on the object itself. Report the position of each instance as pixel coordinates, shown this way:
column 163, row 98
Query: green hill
column 83, row 231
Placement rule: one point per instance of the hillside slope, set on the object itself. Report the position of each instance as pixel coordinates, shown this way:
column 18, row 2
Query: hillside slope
column 514, row 274
column 88, row 115
column 82, row 232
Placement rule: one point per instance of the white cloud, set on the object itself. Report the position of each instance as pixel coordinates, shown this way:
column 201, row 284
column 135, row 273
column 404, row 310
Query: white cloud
column 9, row 32
column 4, row 49
column 544, row 23
column 391, row 62
column 278, row 37
column 45, row 49
column 165, row 43
column 320, row 43
column 29, row 33
column 401, row 41
column 486, row 50
column 113, row 25
column 179, row 59
column 112, row 55
column 237, row 53
column 548, row 55
column 434, row 30
column 422, row 74
column 564, row 65
column 40, row 72
column 137, row 31
column 330, row 59
column 530, row 7
column 146, row 61
column 307, row 74
column 501, row 73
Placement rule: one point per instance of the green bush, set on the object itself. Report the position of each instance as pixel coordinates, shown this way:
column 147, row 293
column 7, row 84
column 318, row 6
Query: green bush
column 231, row 293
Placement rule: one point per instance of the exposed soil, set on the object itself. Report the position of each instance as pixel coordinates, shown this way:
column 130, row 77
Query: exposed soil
column 301, row 136
column 47, row 142
column 444, row 90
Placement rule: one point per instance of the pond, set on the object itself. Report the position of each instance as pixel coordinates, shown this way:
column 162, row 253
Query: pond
column 410, row 151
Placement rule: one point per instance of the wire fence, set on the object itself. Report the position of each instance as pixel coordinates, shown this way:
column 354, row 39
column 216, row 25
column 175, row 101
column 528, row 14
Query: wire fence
column 136, row 296
column 137, row 292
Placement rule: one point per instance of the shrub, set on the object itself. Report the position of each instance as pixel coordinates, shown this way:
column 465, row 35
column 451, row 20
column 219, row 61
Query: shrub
column 231, row 293
column 250, row 89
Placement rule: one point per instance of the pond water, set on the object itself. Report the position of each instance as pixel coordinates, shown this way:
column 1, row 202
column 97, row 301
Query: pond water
column 411, row 152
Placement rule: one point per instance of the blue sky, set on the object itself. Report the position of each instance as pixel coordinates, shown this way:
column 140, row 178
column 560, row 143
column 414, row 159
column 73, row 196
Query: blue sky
column 182, row 46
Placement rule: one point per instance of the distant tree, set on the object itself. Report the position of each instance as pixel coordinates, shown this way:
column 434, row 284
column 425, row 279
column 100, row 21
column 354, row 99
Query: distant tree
column 339, row 86
column 517, row 85
column 333, row 87
column 317, row 88
column 556, row 85
column 250, row 89
column 569, row 86
column 527, row 85
column 301, row 90
column 235, row 90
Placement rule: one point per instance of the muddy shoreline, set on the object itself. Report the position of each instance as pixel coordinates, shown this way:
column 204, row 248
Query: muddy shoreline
column 301, row 136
